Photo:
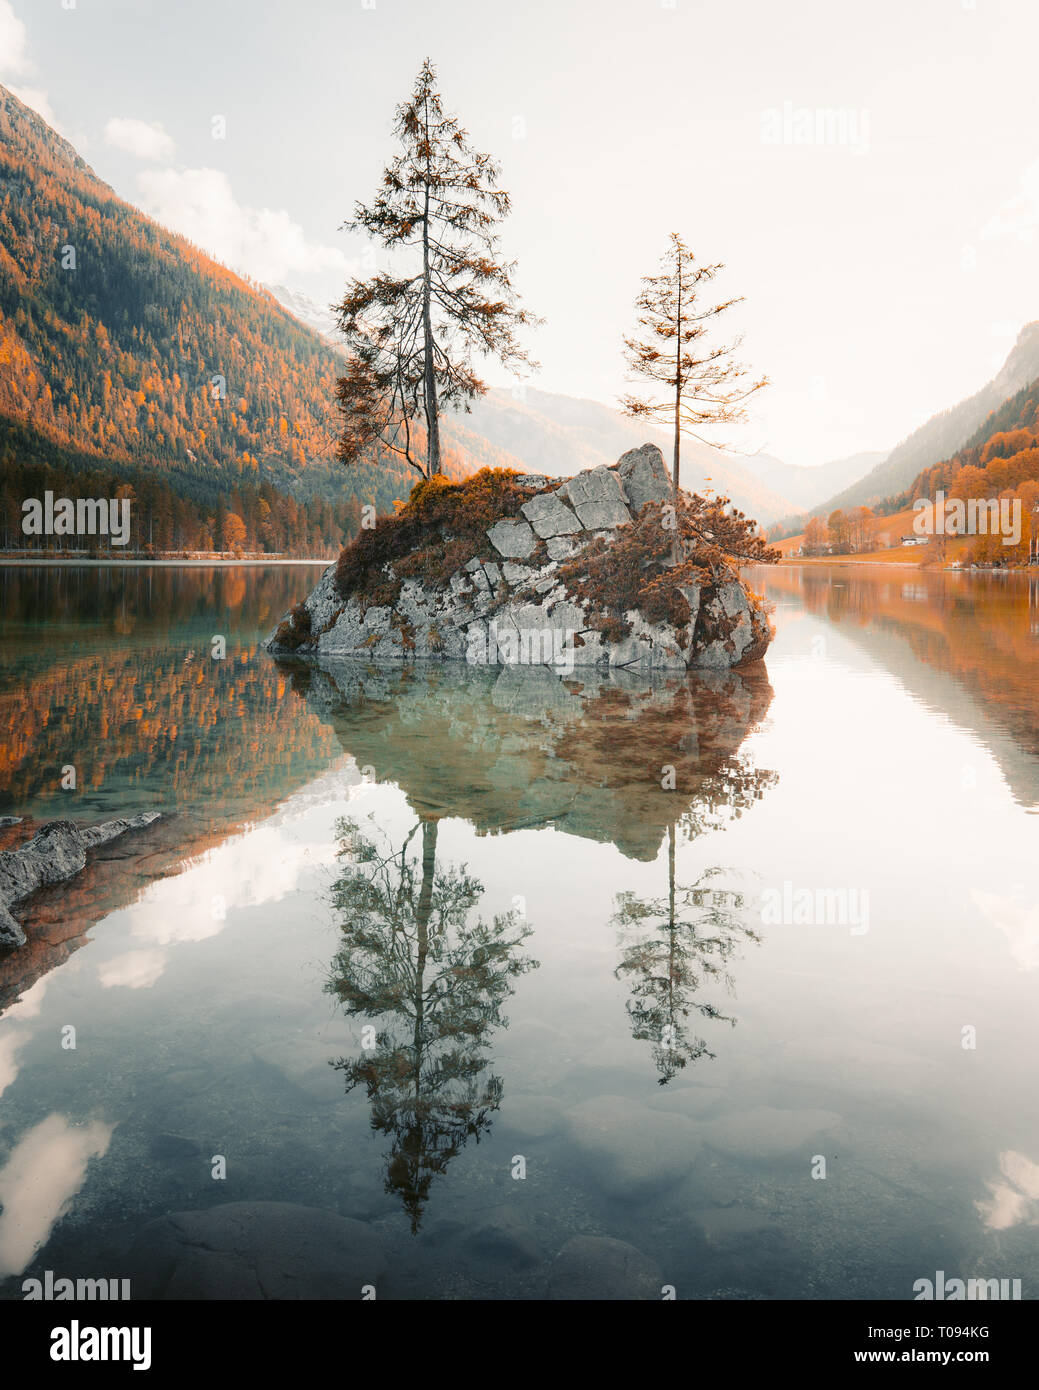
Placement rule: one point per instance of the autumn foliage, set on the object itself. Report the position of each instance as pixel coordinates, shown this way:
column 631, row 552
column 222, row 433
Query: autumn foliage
column 1000, row 461
column 634, row 569
column 442, row 525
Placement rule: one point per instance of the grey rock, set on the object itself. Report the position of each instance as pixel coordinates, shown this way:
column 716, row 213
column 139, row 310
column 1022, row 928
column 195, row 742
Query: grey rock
column 5, row 821
column 531, row 634
column 480, row 649
column 504, row 1235
column 560, row 549
column 691, row 594
column 660, row 645
column 325, row 602
column 599, row 1268
column 733, row 1228
column 93, row 835
column 346, row 633
column 533, row 480
column 55, row 853
column 472, row 617
column 626, row 652
column 712, row 657
column 324, row 605
column 377, row 620
column 549, row 516
column 728, row 610
column 531, row 1116
column 11, row 933
column 593, row 485
column 630, row 1150
column 733, row 599
column 645, row 477
column 589, row 649
column 171, row 1148
column 597, row 496
column 603, row 514
column 742, row 638
column 512, row 539
column 767, row 1133
column 253, row 1251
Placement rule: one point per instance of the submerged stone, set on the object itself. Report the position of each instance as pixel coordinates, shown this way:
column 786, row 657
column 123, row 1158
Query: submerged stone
column 255, row 1250
column 599, row 1268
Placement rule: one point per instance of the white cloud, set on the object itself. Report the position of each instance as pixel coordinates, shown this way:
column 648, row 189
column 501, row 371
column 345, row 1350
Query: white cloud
column 132, row 970
column 45, row 1170
column 140, row 138
column 14, row 43
column 10, row 1044
column 1019, row 215
column 250, row 869
column 1018, row 920
column 1012, row 1203
column 15, row 62
column 266, row 244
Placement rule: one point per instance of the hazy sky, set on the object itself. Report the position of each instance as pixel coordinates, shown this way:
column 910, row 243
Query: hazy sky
column 887, row 251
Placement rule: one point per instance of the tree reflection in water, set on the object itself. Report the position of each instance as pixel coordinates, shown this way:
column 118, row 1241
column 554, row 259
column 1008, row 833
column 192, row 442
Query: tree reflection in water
column 434, row 981
column 672, row 947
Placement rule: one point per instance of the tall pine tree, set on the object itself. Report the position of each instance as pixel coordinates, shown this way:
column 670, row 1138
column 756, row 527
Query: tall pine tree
column 704, row 385
column 412, row 331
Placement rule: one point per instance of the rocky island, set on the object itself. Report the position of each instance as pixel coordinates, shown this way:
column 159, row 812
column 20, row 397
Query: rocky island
column 507, row 568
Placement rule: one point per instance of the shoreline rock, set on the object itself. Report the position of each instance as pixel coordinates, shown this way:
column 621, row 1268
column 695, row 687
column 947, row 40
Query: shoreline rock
column 56, row 853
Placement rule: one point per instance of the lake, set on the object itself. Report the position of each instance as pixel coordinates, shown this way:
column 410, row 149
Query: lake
column 740, row 970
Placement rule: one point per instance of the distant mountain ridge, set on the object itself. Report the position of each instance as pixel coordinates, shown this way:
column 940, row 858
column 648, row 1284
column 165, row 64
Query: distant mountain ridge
column 560, row 435
column 944, row 434
column 807, row 487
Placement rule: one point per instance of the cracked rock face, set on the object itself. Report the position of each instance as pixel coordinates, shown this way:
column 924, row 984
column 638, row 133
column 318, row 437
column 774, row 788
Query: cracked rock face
column 598, row 497
column 513, row 539
column 550, row 516
column 506, row 605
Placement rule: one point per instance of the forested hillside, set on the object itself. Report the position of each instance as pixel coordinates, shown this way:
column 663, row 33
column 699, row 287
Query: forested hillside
column 125, row 349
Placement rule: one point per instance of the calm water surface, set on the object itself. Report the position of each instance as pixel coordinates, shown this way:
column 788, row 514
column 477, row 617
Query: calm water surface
column 400, row 935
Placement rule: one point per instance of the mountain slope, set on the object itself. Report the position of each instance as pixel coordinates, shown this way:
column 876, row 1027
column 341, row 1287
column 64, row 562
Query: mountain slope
column 124, row 340
column 124, row 345
column 945, row 432
column 121, row 342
